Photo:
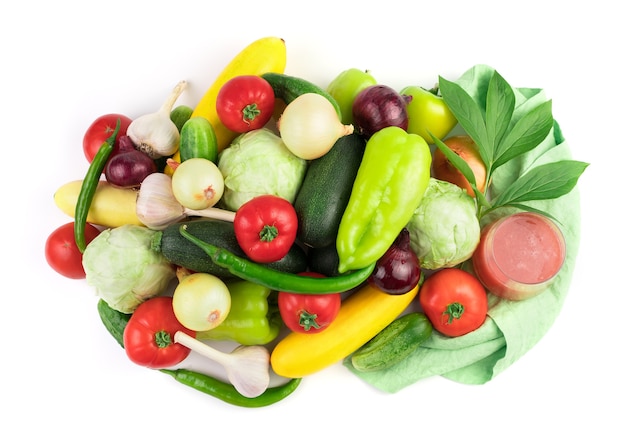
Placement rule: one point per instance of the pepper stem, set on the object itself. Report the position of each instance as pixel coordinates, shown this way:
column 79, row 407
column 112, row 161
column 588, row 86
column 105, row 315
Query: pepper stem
column 268, row 233
column 308, row 320
column 454, row 311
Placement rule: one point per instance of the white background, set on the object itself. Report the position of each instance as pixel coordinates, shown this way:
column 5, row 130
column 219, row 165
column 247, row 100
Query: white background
column 65, row 63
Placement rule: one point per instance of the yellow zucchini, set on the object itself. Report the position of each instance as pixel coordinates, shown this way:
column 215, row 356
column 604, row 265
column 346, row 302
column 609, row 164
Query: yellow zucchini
column 268, row 54
column 361, row 317
column 111, row 206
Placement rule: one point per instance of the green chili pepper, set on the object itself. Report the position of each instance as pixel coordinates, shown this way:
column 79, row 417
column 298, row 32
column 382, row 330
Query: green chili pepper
column 276, row 280
column 115, row 323
column 253, row 319
column 88, row 188
column 227, row 392
column 389, row 186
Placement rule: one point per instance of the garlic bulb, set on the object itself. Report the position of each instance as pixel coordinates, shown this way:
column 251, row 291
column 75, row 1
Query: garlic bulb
column 155, row 134
column 157, row 206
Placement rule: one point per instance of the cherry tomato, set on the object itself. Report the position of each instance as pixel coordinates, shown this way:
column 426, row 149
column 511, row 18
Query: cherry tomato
column 308, row 313
column 464, row 147
column 428, row 112
column 63, row 255
column 101, row 129
column 266, row 227
column 245, row 103
column 454, row 301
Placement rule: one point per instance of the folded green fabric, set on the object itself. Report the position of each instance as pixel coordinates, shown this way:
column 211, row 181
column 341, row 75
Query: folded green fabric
column 511, row 328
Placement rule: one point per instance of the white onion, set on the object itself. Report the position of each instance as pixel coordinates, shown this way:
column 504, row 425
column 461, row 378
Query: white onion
column 310, row 126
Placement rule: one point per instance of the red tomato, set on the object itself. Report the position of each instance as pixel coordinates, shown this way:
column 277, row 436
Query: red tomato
column 149, row 334
column 100, row 130
column 63, row 255
column 454, row 301
column 308, row 313
column 266, row 227
column 245, row 103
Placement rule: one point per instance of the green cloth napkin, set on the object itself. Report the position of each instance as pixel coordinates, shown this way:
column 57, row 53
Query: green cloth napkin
column 511, row 328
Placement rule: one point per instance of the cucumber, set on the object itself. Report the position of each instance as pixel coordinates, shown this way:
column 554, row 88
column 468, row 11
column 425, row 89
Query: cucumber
column 114, row 321
column 180, row 115
column 325, row 191
column 393, row 343
column 287, row 88
column 197, row 140
column 182, row 252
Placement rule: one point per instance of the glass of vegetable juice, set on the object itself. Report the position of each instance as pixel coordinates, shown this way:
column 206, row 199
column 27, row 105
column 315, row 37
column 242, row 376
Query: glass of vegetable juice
column 519, row 255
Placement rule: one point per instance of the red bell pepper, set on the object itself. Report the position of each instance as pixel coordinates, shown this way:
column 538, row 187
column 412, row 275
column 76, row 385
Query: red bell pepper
column 149, row 335
column 266, row 227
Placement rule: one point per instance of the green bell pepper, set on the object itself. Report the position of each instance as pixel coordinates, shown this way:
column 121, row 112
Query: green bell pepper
column 254, row 318
column 389, row 186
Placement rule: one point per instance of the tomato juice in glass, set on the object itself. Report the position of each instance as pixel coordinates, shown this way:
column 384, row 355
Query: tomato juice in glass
column 519, row 255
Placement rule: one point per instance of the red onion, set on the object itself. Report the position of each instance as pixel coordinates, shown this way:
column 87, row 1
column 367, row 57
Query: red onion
column 377, row 107
column 398, row 270
column 128, row 167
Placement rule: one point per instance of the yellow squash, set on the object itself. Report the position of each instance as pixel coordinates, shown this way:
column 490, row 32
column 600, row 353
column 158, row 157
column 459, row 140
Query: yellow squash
column 111, row 206
column 268, row 54
column 361, row 316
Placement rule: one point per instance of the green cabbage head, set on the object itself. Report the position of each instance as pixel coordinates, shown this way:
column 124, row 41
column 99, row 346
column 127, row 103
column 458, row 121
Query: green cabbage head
column 444, row 228
column 123, row 268
column 258, row 163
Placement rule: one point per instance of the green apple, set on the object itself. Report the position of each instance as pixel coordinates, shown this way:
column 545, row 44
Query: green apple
column 345, row 87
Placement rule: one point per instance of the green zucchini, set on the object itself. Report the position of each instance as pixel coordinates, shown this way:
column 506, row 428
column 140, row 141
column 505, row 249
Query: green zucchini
column 198, row 140
column 181, row 252
column 324, row 260
column 180, row 115
column 287, row 88
column 393, row 343
column 325, row 191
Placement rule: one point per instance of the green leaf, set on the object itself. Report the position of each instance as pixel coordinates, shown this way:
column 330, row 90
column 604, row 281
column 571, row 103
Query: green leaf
column 456, row 161
column 498, row 112
column 530, row 130
column 547, row 181
column 468, row 113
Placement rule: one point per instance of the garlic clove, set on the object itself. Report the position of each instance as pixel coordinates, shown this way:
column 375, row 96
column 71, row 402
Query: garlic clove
column 156, row 205
column 156, row 134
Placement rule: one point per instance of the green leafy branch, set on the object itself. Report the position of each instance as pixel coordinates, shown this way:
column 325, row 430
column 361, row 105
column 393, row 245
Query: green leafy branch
column 500, row 138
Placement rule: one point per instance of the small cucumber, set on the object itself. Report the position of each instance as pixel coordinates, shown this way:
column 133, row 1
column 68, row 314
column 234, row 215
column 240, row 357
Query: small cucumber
column 180, row 115
column 287, row 88
column 114, row 321
column 393, row 343
column 325, row 191
column 197, row 140
column 181, row 252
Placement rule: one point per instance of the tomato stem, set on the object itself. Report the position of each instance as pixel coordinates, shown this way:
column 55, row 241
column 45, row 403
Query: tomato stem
column 308, row 320
column 163, row 339
column 268, row 233
column 454, row 311
column 250, row 112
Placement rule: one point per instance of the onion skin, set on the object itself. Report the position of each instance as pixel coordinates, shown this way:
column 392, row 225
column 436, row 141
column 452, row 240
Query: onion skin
column 377, row 107
column 398, row 270
column 128, row 167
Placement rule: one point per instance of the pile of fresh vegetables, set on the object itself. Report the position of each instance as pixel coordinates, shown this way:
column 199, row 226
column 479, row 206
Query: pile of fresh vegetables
column 308, row 225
